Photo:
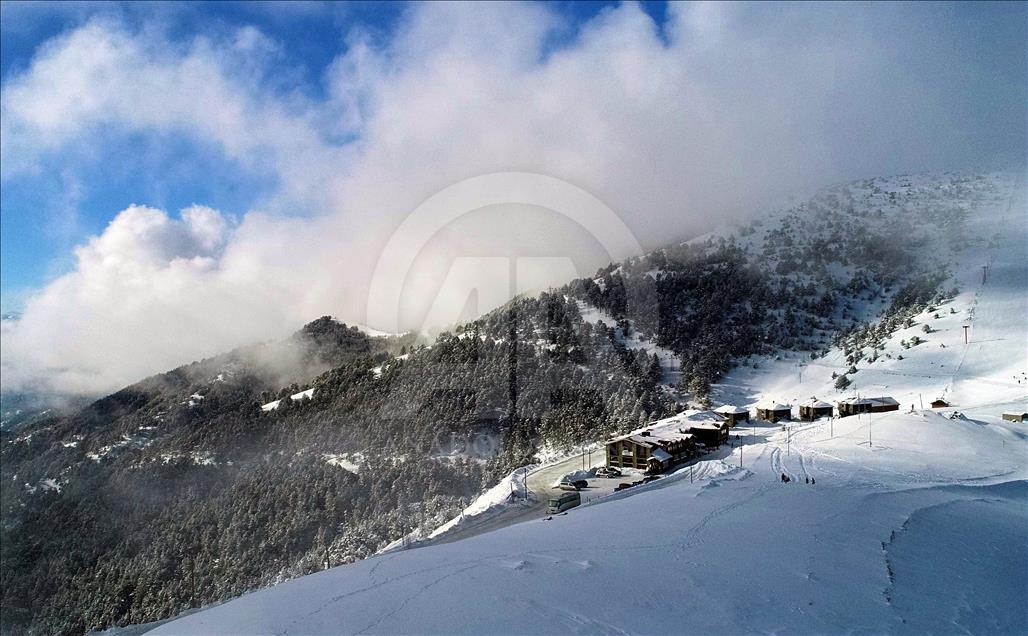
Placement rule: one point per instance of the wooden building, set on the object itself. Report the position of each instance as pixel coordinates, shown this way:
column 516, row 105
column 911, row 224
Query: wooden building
column 733, row 414
column 883, row 404
column 815, row 408
column 854, row 406
column 1016, row 417
column 711, row 434
column 858, row 405
column 654, row 448
column 939, row 403
column 773, row 411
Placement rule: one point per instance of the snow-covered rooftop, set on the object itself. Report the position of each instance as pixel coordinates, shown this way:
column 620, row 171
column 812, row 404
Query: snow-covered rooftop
column 673, row 428
column 771, row 405
column 816, row 404
column 660, row 454
column 728, row 409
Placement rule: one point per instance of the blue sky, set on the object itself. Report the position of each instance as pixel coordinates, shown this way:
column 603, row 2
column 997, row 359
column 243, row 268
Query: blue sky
column 47, row 213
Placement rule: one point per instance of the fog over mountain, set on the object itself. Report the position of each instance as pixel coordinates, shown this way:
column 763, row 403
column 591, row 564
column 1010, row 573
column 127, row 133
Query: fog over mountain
column 712, row 115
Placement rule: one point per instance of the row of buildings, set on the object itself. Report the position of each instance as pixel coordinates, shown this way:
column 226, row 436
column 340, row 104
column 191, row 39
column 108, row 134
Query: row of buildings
column 809, row 410
column 666, row 443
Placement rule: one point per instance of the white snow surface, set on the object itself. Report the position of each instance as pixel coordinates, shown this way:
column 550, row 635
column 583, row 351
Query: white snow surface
column 302, row 395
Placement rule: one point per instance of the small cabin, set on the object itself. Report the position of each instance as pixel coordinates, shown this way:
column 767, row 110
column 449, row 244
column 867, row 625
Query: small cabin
column 856, row 406
column 1015, row 417
column 883, row 404
column 710, row 434
column 733, row 414
column 814, row 408
column 773, row 411
column 939, row 403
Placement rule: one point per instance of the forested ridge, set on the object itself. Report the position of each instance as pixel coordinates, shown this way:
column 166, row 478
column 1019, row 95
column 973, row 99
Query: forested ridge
column 181, row 490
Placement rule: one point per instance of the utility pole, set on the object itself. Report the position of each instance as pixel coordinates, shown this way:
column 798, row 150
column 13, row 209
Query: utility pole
column 691, row 466
column 966, row 327
column 921, row 399
column 985, row 273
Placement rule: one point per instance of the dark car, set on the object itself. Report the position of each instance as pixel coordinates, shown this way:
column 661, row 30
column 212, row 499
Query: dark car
column 623, row 486
column 650, row 478
column 580, row 483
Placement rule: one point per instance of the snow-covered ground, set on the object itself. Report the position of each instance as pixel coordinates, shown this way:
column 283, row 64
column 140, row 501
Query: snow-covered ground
column 924, row 531
column 302, row 395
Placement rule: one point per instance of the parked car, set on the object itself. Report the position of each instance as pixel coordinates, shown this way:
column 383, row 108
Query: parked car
column 623, row 486
column 564, row 485
column 650, row 478
column 580, row 484
column 608, row 471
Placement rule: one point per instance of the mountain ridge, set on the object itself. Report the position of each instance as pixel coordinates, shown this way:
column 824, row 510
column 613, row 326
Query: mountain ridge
column 405, row 409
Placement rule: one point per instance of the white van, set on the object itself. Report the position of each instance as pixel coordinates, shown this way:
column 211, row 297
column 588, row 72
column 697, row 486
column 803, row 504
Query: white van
column 564, row 502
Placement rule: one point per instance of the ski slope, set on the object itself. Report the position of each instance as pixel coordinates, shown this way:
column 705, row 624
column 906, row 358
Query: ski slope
column 986, row 376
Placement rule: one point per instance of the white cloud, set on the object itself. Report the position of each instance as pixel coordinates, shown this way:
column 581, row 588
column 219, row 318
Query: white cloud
column 740, row 106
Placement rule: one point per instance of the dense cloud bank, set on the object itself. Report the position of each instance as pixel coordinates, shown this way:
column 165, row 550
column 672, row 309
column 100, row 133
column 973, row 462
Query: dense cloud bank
column 675, row 128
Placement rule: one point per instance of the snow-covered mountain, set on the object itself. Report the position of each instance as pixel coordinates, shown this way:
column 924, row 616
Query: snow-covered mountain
column 195, row 486
column 912, row 521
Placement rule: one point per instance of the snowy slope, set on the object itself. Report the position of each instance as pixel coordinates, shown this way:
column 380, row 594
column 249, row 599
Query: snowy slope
column 918, row 521
column 918, row 533
column 670, row 364
column 986, row 376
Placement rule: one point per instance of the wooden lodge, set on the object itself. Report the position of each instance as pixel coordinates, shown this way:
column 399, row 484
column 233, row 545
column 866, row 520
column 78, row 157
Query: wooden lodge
column 1015, row 417
column 654, row 448
column 858, row 405
column 883, row 404
column 815, row 408
column 939, row 403
column 733, row 414
column 711, row 434
column 773, row 411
